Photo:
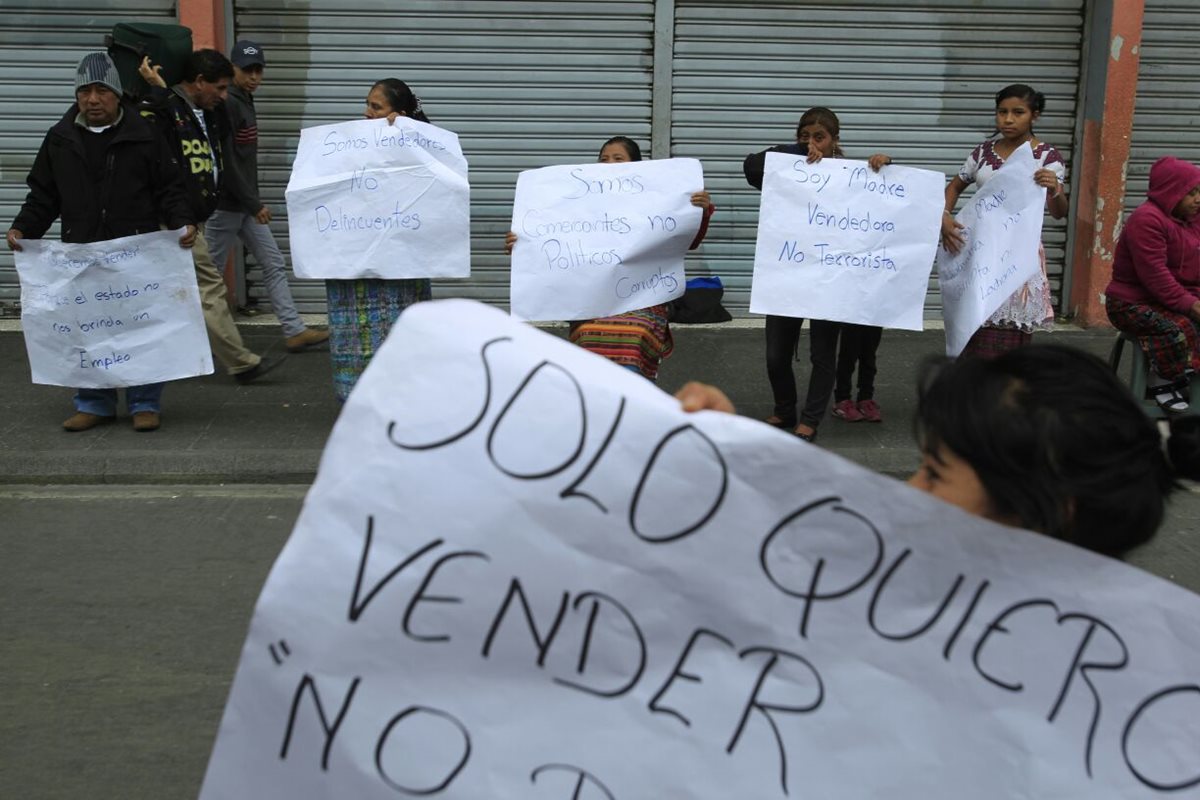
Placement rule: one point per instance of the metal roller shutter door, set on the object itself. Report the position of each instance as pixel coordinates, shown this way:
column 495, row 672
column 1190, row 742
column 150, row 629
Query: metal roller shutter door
column 915, row 81
column 1166, row 120
column 524, row 84
column 40, row 45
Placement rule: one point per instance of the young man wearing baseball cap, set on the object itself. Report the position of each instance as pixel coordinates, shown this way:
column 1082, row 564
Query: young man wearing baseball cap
column 240, row 212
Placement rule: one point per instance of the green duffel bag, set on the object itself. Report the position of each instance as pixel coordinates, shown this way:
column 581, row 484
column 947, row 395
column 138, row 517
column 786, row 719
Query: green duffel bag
column 167, row 45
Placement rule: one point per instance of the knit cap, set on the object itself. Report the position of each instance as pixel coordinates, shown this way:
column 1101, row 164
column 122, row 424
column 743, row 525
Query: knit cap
column 97, row 68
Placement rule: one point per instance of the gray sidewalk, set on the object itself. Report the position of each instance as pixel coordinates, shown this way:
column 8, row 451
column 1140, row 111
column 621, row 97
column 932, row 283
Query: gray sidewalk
column 273, row 431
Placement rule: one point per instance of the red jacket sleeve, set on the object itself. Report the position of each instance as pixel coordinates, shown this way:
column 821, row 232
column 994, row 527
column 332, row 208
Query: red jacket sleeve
column 700, row 234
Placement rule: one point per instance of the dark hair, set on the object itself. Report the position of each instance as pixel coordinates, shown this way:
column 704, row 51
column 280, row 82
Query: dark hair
column 631, row 147
column 820, row 115
column 401, row 99
column 208, row 64
column 1027, row 94
column 1058, row 443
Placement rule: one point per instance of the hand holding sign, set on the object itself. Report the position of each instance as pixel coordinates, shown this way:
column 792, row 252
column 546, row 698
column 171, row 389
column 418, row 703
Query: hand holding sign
column 522, row 570
column 838, row 241
column 124, row 312
column 367, row 199
column 1001, row 233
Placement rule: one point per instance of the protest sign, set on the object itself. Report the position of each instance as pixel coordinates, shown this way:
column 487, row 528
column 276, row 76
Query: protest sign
column 600, row 239
column 1002, row 231
column 840, row 242
column 522, row 571
column 371, row 200
column 123, row 312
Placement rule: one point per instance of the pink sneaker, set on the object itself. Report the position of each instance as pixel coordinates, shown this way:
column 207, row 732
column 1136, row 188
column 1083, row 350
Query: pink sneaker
column 846, row 410
column 870, row 411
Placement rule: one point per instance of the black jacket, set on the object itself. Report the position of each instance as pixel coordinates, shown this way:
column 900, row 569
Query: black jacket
column 239, row 181
column 141, row 189
column 197, row 151
column 755, row 163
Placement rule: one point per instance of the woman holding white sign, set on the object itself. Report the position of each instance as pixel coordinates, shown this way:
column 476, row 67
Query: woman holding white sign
column 1017, row 107
column 361, row 311
column 817, row 136
column 637, row 340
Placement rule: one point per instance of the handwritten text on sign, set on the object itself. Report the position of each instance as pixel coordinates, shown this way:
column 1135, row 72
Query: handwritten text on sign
column 124, row 312
column 599, row 239
column 1002, row 225
column 840, row 242
column 371, row 200
column 521, row 570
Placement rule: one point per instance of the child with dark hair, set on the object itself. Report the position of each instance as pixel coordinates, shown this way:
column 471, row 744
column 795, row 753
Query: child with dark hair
column 817, row 136
column 362, row 310
column 1155, row 289
column 1047, row 438
column 637, row 340
column 1029, row 308
column 1043, row 437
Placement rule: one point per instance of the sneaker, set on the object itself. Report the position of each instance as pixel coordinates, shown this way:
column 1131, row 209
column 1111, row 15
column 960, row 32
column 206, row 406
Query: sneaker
column 305, row 339
column 82, row 421
column 146, row 421
column 870, row 411
column 846, row 410
column 258, row 370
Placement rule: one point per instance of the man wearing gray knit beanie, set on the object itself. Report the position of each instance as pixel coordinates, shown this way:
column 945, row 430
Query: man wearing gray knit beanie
column 107, row 173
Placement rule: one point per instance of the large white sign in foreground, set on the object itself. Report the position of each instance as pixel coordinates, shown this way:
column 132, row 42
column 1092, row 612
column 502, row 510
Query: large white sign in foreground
column 371, row 200
column 522, row 572
column 1002, row 231
column 600, row 239
column 839, row 242
column 123, row 312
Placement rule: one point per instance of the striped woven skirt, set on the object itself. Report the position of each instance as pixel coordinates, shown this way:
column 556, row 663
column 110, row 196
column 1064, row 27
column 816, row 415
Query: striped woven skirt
column 637, row 340
column 1170, row 340
column 361, row 313
column 989, row 342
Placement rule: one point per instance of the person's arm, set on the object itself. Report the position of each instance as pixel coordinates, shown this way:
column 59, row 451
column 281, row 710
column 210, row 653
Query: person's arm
column 952, row 238
column 1147, row 236
column 170, row 192
column 1056, row 193
column 242, row 160
column 42, row 203
column 704, row 201
column 752, row 168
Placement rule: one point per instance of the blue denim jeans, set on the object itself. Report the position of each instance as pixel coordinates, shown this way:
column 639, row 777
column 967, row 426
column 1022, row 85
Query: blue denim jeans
column 103, row 402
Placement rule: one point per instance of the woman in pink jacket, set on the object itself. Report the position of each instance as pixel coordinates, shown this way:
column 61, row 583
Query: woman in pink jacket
column 1155, row 289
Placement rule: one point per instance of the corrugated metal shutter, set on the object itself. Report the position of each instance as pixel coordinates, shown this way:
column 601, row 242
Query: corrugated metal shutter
column 913, row 80
column 524, row 84
column 41, row 43
column 1166, row 120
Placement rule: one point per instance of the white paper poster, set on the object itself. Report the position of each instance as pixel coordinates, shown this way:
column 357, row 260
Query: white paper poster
column 123, row 312
column 839, row 242
column 523, row 572
column 1002, row 230
column 371, row 200
column 599, row 239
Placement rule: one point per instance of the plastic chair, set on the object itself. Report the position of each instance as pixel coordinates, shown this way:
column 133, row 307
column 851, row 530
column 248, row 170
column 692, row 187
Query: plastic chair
column 1139, row 372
